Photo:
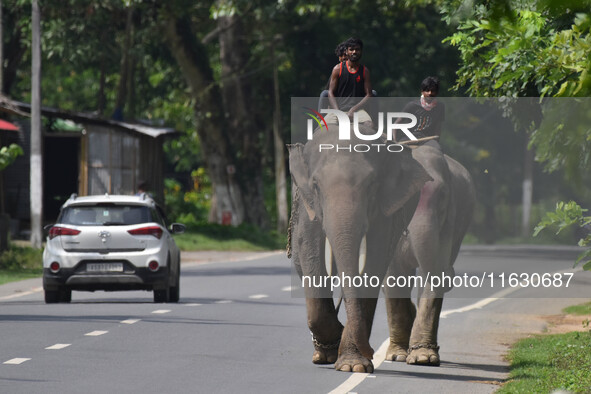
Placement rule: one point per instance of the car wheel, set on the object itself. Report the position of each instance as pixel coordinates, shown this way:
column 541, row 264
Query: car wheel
column 65, row 295
column 52, row 296
column 59, row 295
column 162, row 295
column 175, row 291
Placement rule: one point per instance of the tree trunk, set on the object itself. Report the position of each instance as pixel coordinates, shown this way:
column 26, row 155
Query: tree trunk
column 124, row 68
column 527, row 188
column 236, row 93
column 209, row 122
column 36, row 163
column 280, row 183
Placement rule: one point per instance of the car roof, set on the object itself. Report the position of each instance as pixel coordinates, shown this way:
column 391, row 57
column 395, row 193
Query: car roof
column 141, row 199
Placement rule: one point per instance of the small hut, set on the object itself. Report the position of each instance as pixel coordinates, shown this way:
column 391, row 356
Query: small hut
column 82, row 154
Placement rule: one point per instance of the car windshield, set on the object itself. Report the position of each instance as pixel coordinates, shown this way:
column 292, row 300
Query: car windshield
column 106, row 215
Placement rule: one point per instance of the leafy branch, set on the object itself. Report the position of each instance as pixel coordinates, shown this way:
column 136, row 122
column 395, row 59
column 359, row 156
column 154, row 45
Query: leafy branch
column 566, row 215
column 8, row 155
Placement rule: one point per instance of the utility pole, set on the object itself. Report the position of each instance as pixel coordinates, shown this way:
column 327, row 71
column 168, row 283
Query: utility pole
column 36, row 165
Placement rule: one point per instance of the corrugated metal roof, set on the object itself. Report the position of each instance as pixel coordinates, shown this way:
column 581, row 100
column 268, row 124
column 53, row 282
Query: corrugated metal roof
column 24, row 109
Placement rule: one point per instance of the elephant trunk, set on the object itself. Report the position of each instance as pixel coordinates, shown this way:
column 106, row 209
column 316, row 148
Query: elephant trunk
column 347, row 244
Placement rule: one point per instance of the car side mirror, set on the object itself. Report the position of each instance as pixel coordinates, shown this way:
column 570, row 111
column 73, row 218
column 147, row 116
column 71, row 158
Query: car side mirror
column 177, row 228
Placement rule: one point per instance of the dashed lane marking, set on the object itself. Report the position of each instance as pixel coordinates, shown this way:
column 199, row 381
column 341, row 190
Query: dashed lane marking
column 130, row 321
column 286, row 288
column 193, row 304
column 223, row 302
column 95, row 333
column 161, row 311
column 258, row 296
column 58, row 346
column 16, row 361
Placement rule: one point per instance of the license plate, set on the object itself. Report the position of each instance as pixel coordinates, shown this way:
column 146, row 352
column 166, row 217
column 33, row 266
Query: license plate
column 104, row 267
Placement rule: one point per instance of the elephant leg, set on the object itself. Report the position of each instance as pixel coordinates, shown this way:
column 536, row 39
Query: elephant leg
column 423, row 347
column 401, row 315
column 325, row 328
column 355, row 354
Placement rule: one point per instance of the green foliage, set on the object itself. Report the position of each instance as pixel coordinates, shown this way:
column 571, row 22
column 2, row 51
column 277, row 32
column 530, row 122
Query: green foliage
column 545, row 363
column 529, row 48
column 21, row 259
column 8, row 155
column 534, row 48
column 563, row 140
column 567, row 215
column 188, row 207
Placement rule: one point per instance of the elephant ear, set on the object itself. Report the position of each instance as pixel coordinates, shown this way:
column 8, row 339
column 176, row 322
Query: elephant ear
column 402, row 183
column 300, row 174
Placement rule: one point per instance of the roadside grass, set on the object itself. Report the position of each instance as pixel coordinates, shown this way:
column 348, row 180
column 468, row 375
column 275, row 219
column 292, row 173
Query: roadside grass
column 582, row 309
column 20, row 262
column 242, row 238
column 545, row 363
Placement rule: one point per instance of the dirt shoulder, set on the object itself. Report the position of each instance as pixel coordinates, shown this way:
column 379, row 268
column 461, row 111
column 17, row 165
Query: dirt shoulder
column 560, row 324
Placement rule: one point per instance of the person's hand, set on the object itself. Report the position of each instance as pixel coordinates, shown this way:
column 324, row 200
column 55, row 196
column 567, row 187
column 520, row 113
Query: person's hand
column 350, row 113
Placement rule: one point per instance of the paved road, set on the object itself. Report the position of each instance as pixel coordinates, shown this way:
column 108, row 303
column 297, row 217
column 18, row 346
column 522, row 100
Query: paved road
column 238, row 329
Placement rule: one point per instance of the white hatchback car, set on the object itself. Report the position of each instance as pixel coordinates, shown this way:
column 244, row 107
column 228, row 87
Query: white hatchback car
column 111, row 242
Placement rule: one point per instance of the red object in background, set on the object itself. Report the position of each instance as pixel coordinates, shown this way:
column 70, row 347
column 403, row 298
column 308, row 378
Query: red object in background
column 4, row 125
column 226, row 218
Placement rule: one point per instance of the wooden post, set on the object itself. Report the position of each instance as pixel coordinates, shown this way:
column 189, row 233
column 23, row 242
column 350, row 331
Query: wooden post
column 36, row 169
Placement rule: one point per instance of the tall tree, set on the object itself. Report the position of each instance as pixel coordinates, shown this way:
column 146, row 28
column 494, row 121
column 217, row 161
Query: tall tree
column 243, row 130
column 208, row 116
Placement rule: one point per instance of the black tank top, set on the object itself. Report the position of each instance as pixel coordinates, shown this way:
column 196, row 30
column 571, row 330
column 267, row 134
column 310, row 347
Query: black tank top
column 351, row 85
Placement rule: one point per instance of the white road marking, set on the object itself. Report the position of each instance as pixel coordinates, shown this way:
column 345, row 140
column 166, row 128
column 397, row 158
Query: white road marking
column 258, row 296
column 161, row 311
column 58, row 346
column 95, row 333
column 16, row 361
column 193, row 304
column 223, row 302
column 130, row 321
column 286, row 288
column 22, row 294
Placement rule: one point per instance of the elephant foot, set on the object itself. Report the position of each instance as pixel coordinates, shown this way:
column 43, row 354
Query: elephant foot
column 325, row 356
column 396, row 352
column 325, row 353
column 354, row 363
column 424, row 354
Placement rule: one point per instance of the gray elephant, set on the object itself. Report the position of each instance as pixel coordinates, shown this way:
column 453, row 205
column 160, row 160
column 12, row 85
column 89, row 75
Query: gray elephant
column 349, row 211
column 432, row 244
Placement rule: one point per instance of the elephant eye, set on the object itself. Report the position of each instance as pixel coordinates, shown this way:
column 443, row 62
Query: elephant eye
column 316, row 188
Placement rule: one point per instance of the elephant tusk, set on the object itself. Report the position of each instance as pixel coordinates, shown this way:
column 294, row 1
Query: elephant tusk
column 362, row 254
column 328, row 257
